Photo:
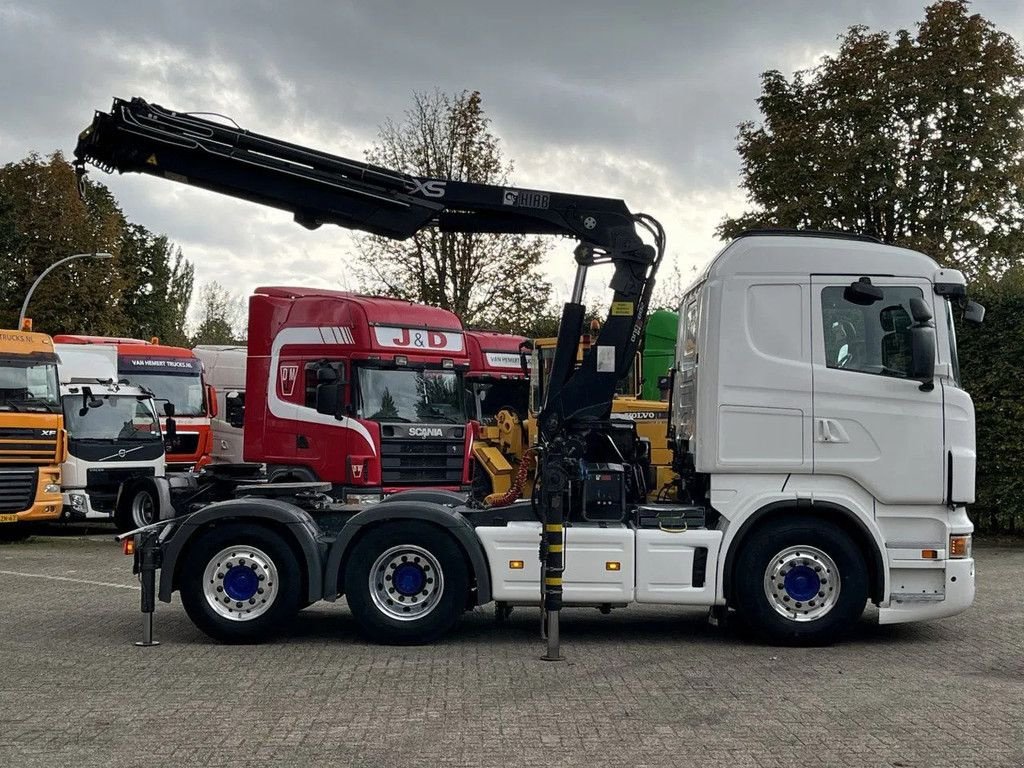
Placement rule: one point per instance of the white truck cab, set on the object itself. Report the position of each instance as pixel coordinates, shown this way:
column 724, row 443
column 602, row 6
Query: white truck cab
column 112, row 427
column 817, row 397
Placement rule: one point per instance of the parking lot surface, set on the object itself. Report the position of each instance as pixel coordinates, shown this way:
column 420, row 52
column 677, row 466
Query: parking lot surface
column 641, row 687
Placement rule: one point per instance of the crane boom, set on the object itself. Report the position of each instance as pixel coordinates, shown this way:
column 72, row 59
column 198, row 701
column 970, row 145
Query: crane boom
column 318, row 188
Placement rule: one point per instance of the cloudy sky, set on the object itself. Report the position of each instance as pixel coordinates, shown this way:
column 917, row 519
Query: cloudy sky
column 638, row 100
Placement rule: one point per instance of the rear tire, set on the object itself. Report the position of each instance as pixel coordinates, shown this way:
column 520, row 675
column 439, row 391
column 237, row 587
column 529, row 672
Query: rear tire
column 406, row 583
column 800, row 582
column 240, row 583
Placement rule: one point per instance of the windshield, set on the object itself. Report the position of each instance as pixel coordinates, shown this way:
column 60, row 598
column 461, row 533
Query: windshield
column 186, row 392
column 28, row 385
column 952, row 343
column 410, row 395
column 110, row 417
column 502, row 394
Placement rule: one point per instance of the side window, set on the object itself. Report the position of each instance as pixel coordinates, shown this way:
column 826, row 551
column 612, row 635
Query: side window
column 873, row 339
column 311, row 378
column 689, row 330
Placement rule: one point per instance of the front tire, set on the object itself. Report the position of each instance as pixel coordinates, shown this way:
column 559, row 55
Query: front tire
column 406, row 583
column 240, row 584
column 800, row 582
column 137, row 506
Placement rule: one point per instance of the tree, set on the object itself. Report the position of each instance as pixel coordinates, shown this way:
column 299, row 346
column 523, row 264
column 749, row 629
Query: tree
column 916, row 140
column 990, row 364
column 489, row 280
column 671, row 287
column 44, row 219
column 144, row 291
column 159, row 286
column 221, row 316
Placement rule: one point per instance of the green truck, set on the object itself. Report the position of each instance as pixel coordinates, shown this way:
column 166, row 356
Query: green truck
column 659, row 350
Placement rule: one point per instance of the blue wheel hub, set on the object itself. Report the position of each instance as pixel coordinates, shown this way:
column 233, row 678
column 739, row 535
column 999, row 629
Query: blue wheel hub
column 802, row 583
column 409, row 579
column 240, row 582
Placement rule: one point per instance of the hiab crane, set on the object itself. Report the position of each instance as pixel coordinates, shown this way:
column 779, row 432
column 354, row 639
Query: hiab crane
column 823, row 445
column 590, row 465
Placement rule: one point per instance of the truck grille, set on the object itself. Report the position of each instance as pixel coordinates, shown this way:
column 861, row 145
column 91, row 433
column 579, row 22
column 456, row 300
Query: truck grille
column 17, row 489
column 27, row 446
column 412, row 461
column 183, row 443
column 101, row 479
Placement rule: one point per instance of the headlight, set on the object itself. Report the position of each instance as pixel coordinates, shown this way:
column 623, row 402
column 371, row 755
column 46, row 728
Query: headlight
column 79, row 502
column 51, row 488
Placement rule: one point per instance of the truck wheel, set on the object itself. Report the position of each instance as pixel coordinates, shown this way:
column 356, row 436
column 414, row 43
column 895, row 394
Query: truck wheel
column 800, row 582
column 240, row 584
column 406, row 583
column 137, row 506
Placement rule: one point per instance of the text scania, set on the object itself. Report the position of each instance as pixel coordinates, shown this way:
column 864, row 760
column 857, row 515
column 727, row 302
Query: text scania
column 426, row 432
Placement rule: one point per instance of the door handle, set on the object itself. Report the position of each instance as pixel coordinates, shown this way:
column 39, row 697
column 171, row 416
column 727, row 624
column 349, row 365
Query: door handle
column 831, row 431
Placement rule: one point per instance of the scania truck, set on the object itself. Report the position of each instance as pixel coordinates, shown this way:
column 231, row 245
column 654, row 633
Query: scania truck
column 32, row 441
column 823, row 443
column 391, row 413
column 174, row 375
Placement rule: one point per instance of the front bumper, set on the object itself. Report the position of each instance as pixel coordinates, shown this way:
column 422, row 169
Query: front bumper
column 78, row 505
column 46, row 503
column 957, row 597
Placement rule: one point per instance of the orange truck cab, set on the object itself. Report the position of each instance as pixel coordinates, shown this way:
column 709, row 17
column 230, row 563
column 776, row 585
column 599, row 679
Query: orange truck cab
column 32, row 442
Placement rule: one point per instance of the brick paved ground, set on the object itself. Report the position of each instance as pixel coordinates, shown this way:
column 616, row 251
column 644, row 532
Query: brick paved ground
column 644, row 687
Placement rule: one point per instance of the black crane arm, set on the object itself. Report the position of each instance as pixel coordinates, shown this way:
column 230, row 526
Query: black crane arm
column 317, row 188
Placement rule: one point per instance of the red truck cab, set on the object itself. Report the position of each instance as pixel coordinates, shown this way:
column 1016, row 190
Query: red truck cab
column 496, row 378
column 173, row 375
column 364, row 392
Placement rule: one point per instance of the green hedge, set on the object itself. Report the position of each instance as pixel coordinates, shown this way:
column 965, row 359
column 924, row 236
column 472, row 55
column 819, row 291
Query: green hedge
column 992, row 368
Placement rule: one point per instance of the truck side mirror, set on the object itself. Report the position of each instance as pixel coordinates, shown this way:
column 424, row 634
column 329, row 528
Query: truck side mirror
column 974, row 313
column 524, row 348
column 234, row 407
column 863, row 293
column 211, row 399
column 922, row 344
column 169, row 410
column 328, row 398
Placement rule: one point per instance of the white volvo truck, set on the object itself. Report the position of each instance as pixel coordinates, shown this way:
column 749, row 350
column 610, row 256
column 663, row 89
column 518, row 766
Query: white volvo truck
column 823, row 443
column 113, row 434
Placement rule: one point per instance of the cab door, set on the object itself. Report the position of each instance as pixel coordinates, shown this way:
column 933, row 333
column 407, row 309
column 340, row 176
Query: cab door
column 872, row 423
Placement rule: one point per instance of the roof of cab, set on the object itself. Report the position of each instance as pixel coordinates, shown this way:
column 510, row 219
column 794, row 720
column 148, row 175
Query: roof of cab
column 815, row 253
column 379, row 309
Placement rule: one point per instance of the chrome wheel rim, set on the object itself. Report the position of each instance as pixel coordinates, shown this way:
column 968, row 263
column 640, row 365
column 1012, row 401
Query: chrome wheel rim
column 143, row 509
column 802, row 583
column 406, row 582
column 240, row 583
